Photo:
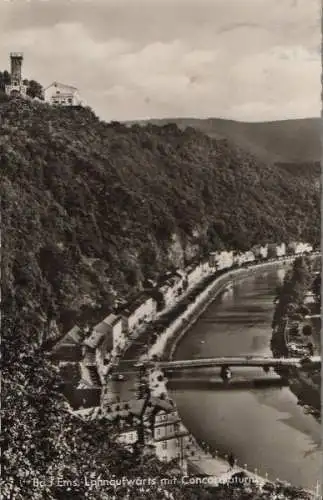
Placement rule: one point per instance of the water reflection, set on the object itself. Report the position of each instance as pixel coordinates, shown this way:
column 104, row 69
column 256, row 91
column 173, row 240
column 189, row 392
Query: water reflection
column 264, row 428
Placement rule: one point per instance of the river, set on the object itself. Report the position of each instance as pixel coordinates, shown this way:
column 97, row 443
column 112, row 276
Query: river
column 264, row 428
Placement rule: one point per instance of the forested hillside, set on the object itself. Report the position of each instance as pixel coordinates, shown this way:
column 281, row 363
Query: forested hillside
column 88, row 210
column 297, row 140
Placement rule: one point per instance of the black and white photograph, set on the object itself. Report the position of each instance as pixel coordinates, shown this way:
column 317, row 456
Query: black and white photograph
column 161, row 249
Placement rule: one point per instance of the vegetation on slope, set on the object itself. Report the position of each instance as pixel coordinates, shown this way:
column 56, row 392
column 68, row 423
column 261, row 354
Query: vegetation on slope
column 88, row 211
column 291, row 141
column 34, row 89
column 107, row 204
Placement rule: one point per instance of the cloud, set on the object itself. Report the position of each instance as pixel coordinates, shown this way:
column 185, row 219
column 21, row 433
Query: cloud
column 140, row 58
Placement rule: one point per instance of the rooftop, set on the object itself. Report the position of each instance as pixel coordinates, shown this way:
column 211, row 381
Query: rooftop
column 71, row 337
column 171, row 419
column 98, row 334
column 112, row 319
column 134, row 304
column 170, row 279
column 161, row 403
column 67, row 352
column 58, row 84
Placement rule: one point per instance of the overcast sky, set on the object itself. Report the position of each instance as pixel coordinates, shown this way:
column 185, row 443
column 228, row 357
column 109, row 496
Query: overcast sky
column 248, row 60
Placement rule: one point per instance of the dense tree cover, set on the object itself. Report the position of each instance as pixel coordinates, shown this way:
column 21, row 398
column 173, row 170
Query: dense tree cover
column 291, row 141
column 89, row 210
column 108, row 199
column 290, row 295
column 317, row 288
column 4, row 79
column 289, row 306
column 34, row 89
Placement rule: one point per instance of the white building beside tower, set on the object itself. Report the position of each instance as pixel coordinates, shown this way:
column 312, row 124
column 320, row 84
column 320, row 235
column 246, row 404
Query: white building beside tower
column 62, row 95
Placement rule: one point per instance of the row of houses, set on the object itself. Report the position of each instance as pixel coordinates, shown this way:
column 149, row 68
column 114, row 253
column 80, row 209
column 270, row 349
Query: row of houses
column 95, row 349
column 227, row 259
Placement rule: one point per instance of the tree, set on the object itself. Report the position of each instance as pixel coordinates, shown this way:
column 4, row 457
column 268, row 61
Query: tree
column 35, row 90
column 4, row 79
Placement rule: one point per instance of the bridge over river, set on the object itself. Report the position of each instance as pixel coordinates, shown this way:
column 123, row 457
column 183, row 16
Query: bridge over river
column 229, row 361
column 248, row 361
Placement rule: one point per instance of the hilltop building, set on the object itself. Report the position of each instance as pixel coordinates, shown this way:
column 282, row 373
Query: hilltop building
column 16, row 86
column 63, row 95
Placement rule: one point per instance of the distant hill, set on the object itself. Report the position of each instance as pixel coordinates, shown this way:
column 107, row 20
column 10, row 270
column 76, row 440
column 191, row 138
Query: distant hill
column 277, row 141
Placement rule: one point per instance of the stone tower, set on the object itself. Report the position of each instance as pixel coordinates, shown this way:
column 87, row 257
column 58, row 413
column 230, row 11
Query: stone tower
column 16, row 87
column 16, row 59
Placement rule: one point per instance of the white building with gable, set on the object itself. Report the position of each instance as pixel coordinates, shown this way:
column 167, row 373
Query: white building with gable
column 62, row 95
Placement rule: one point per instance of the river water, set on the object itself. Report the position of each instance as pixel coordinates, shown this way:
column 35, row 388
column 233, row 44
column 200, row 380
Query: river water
column 264, row 428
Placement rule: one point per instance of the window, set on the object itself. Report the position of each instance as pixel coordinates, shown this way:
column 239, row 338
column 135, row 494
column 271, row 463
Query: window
column 70, row 100
column 164, row 445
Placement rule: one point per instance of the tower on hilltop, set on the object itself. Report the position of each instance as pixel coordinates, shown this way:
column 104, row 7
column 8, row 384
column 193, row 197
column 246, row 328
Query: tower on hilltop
column 16, row 87
column 16, row 59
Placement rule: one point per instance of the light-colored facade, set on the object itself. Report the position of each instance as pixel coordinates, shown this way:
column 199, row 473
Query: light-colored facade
column 170, row 437
column 281, row 250
column 138, row 313
column 221, row 260
column 244, row 258
column 114, row 323
column 62, row 95
column 197, row 273
column 299, row 247
column 262, row 252
column 309, row 298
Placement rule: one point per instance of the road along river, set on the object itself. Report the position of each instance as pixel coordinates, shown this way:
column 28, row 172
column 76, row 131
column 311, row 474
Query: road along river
column 263, row 427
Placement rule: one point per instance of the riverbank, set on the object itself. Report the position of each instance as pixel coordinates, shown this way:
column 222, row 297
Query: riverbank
column 306, row 385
